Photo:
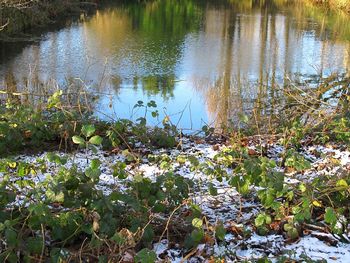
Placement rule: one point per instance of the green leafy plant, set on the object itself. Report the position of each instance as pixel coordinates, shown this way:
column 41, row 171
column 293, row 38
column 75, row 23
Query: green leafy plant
column 90, row 141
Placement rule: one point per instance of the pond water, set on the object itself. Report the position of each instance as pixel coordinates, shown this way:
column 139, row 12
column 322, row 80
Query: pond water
column 202, row 62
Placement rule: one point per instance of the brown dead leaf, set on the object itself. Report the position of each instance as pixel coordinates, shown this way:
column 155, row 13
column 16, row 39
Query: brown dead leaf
column 209, row 239
column 252, row 152
column 216, row 147
column 235, row 230
column 199, row 141
column 244, row 142
column 128, row 236
column 27, row 134
column 291, row 241
column 115, row 150
column 276, row 226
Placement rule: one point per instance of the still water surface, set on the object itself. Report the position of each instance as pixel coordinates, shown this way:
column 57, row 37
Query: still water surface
column 200, row 61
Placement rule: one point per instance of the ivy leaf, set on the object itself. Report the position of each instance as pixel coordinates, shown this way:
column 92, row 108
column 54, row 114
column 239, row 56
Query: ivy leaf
column 146, row 256
column 96, row 140
column 11, row 237
column 148, row 234
column 35, row 245
column 78, row 140
column 118, row 239
column 88, row 130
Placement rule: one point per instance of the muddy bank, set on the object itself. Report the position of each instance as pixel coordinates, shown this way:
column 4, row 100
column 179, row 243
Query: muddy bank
column 17, row 18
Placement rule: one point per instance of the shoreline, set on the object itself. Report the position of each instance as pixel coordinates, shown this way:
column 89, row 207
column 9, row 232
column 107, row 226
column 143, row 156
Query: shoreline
column 19, row 20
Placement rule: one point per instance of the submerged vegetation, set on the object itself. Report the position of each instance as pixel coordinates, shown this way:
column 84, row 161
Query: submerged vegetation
column 61, row 206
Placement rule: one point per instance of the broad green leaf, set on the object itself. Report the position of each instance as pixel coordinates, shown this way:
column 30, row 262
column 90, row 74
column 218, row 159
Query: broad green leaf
column 92, row 148
column 197, row 235
column 93, row 173
column 88, row 130
column 97, row 140
column 35, row 245
column 155, row 114
column 146, row 256
column 78, row 140
column 302, row 188
column 22, row 169
column 11, row 237
column 287, row 227
column 197, row 222
column 148, row 234
column 293, row 233
column 330, row 216
column 261, row 219
column 118, row 239
column 95, row 164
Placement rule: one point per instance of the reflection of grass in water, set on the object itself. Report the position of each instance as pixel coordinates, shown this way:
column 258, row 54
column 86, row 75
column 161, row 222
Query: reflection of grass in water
column 313, row 106
column 271, row 105
column 332, row 24
column 342, row 5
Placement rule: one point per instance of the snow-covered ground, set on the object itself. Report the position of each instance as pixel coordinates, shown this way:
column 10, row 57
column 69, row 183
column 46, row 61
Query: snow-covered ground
column 228, row 206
